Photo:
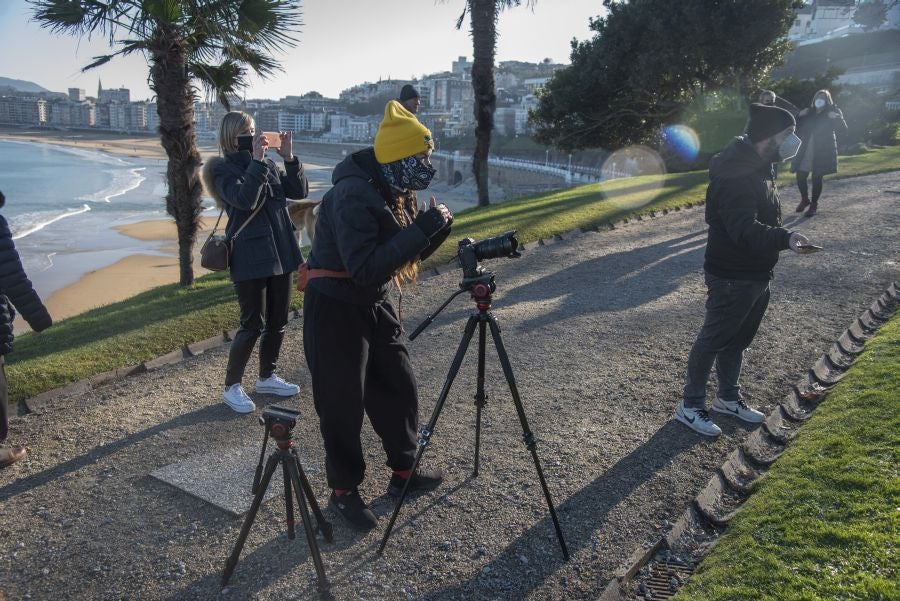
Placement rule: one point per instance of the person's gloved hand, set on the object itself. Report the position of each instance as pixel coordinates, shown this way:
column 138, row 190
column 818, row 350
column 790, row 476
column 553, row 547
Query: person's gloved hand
column 434, row 219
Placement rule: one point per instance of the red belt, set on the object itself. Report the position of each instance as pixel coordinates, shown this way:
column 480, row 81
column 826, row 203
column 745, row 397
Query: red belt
column 326, row 273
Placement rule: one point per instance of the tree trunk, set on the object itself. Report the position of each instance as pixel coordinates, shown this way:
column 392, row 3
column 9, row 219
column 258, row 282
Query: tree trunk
column 175, row 107
column 483, row 14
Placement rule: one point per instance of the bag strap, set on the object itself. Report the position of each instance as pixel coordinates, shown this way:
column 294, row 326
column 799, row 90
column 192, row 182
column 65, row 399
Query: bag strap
column 216, row 226
column 249, row 219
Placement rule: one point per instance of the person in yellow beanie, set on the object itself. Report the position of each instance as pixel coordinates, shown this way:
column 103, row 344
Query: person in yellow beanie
column 370, row 234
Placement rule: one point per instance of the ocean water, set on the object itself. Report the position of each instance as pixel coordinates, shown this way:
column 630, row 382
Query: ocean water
column 63, row 205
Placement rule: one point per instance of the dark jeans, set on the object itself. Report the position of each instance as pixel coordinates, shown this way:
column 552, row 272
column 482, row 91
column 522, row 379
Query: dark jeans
column 264, row 311
column 359, row 366
column 804, row 190
column 734, row 309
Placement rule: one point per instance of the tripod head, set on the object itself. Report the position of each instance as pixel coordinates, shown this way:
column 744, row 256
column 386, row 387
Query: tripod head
column 476, row 279
column 279, row 421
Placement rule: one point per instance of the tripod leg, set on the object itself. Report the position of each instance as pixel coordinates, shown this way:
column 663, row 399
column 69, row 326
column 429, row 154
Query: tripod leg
column 288, row 503
column 527, row 436
column 425, row 435
column 324, row 525
column 293, row 468
column 480, row 397
column 251, row 515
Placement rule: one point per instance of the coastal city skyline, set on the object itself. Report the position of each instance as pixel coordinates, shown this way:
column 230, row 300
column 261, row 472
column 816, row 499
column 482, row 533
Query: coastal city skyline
column 413, row 42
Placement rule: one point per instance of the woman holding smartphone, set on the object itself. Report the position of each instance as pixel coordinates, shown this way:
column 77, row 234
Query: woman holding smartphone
column 265, row 252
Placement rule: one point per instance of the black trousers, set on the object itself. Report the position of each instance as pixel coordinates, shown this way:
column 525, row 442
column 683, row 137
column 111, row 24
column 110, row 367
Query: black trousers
column 816, row 186
column 4, row 398
column 264, row 306
column 358, row 365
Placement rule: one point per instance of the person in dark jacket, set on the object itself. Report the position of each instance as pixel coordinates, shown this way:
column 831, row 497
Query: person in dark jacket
column 15, row 291
column 744, row 240
column 369, row 235
column 816, row 125
column 265, row 251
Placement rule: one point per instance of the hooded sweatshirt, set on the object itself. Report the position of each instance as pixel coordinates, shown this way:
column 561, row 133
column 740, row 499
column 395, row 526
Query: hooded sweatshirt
column 744, row 215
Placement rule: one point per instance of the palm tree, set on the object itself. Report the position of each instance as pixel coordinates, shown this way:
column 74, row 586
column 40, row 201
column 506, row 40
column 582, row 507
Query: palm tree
column 483, row 15
column 212, row 43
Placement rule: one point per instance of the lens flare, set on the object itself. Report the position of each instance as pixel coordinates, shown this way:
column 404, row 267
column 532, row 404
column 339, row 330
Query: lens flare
column 681, row 140
column 637, row 172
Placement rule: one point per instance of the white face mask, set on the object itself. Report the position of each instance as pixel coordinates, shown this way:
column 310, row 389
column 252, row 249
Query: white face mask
column 819, row 103
column 789, row 147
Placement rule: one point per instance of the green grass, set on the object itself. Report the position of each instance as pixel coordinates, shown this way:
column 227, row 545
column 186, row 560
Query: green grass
column 822, row 524
column 161, row 320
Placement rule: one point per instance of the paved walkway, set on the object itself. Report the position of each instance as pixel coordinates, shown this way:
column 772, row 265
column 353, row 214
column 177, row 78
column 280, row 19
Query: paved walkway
column 598, row 328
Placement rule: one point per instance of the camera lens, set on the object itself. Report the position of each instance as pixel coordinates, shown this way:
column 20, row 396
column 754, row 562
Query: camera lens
column 504, row 245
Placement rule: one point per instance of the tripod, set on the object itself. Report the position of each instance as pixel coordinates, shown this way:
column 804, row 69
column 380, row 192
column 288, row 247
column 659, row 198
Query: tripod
column 280, row 421
column 481, row 287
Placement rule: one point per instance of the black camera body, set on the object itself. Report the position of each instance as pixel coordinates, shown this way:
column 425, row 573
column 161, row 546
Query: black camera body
column 279, row 420
column 471, row 253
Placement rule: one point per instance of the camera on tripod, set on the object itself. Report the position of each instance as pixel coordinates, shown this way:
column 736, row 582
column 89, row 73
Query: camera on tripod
column 470, row 253
column 279, row 420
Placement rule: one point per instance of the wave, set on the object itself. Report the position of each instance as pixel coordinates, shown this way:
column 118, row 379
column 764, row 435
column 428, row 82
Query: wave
column 123, row 181
column 29, row 223
column 96, row 156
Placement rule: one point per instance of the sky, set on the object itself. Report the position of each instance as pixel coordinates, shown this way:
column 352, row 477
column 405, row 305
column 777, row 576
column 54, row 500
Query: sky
column 341, row 43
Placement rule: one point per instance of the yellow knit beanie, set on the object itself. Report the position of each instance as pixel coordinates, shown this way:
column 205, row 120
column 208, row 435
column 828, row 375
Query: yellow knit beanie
column 400, row 135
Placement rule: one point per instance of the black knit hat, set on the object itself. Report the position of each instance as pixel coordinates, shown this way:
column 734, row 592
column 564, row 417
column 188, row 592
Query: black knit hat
column 767, row 120
column 407, row 92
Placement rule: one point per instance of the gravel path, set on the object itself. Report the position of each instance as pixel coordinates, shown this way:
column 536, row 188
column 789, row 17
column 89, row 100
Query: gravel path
column 598, row 328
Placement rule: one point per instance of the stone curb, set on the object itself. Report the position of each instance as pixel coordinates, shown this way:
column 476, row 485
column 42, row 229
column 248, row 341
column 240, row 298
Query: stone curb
column 39, row 402
column 726, row 490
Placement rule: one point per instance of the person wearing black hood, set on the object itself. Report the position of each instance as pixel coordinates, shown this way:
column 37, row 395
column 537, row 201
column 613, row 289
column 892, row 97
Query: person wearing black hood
column 15, row 291
column 817, row 126
column 369, row 234
column 744, row 240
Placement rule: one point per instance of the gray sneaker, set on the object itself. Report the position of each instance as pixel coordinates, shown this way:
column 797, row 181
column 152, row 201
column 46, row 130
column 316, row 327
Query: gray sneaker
column 235, row 397
column 738, row 409
column 697, row 420
column 276, row 385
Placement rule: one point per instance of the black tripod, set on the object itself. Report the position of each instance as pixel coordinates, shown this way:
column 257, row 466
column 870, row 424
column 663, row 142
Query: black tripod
column 280, row 421
column 481, row 287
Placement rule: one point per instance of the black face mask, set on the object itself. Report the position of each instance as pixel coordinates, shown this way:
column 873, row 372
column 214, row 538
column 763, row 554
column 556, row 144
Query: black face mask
column 409, row 173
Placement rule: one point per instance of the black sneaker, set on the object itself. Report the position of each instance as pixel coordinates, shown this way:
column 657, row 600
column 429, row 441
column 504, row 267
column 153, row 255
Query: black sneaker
column 421, row 480
column 354, row 510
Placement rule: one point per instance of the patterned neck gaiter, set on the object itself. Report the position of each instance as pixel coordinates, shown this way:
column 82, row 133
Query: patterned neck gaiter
column 408, row 174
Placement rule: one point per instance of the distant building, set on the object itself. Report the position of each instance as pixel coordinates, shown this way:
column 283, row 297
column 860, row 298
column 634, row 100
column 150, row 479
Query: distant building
column 462, row 68
column 116, row 95
column 152, row 117
column 77, row 95
column 23, row 111
column 65, row 113
column 446, row 91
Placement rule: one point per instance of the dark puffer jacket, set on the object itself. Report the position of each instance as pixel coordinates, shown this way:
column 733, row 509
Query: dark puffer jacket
column 822, row 129
column 744, row 215
column 356, row 232
column 16, row 287
column 268, row 245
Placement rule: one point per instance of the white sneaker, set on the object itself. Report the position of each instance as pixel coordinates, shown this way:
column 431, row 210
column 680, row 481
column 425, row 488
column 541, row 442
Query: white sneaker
column 738, row 409
column 275, row 385
column 697, row 420
column 237, row 399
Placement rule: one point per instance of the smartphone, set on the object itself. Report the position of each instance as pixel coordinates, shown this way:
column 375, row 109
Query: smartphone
column 273, row 138
column 810, row 248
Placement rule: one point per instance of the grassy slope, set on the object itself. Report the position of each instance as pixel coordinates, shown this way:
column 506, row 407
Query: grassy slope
column 822, row 524
column 161, row 320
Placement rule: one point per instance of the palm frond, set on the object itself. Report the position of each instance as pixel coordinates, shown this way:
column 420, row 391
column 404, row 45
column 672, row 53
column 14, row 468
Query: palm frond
column 223, row 82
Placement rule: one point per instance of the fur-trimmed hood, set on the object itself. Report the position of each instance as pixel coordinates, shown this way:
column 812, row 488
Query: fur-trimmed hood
column 208, row 176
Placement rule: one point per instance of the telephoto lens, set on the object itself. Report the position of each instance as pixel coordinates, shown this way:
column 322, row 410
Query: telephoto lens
column 504, row 245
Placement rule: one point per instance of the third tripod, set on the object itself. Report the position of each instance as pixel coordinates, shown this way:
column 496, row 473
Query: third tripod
column 481, row 288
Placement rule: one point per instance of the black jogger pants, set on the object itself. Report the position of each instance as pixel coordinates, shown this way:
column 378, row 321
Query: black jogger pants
column 358, row 365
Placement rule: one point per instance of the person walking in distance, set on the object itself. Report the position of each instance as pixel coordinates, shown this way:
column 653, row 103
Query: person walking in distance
column 817, row 125
column 16, row 292
column 409, row 98
column 744, row 240
column 265, row 251
column 369, row 234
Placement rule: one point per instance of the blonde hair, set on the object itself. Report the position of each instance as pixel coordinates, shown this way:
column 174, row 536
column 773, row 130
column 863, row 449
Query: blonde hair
column 405, row 210
column 826, row 94
column 233, row 124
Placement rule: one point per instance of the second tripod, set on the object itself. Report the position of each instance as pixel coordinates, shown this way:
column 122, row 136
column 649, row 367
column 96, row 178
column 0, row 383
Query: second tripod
column 280, row 421
column 481, row 286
